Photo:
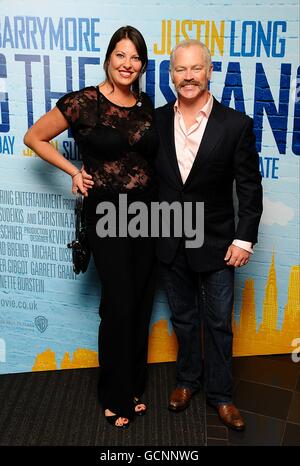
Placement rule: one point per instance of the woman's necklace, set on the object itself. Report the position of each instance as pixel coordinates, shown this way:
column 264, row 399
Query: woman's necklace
column 119, row 102
column 123, row 104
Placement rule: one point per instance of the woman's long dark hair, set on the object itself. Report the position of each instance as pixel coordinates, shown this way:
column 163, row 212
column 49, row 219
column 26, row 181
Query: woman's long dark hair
column 128, row 32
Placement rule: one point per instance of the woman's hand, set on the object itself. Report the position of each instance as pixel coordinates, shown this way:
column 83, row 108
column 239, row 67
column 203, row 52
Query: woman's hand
column 78, row 185
column 82, row 182
column 87, row 179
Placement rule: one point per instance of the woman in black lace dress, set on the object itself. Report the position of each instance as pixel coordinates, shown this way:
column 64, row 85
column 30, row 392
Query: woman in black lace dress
column 112, row 124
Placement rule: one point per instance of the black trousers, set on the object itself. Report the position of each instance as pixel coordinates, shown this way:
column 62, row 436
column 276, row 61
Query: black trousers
column 127, row 271
column 201, row 310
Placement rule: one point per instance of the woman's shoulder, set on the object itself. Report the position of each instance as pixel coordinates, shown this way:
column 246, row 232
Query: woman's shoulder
column 73, row 104
column 86, row 93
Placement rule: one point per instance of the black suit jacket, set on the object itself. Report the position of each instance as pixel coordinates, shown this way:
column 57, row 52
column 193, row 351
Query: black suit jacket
column 227, row 153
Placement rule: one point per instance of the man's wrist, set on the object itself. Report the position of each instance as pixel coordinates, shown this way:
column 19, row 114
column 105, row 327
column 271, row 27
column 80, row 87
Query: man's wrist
column 246, row 245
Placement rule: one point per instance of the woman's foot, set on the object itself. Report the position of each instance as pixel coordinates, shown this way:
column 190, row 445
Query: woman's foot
column 139, row 408
column 115, row 420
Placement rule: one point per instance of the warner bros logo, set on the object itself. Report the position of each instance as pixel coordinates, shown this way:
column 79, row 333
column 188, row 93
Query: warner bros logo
column 41, row 323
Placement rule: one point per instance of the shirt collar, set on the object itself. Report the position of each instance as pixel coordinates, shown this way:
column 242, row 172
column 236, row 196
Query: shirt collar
column 206, row 109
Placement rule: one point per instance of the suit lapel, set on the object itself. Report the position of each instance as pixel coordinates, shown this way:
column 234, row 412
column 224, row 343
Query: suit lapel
column 168, row 140
column 212, row 134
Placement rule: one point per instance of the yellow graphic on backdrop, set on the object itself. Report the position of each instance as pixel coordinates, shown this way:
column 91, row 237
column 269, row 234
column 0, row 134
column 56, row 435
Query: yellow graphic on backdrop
column 248, row 340
column 268, row 339
column 162, row 344
column 45, row 361
column 81, row 358
column 203, row 30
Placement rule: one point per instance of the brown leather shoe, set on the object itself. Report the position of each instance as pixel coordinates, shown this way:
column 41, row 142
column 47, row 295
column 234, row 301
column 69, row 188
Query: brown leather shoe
column 180, row 399
column 230, row 415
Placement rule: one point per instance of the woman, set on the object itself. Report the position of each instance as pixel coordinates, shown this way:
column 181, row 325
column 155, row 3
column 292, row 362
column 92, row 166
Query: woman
column 112, row 124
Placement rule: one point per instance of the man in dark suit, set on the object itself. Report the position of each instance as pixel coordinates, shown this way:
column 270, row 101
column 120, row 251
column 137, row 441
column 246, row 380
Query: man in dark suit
column 204, row 148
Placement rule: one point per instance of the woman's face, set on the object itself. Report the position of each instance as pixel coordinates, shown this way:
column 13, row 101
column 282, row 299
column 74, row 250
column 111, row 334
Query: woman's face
column 124, row 64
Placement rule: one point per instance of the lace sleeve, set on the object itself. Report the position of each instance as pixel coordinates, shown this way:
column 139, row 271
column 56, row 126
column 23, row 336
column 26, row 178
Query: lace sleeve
column 69, row 105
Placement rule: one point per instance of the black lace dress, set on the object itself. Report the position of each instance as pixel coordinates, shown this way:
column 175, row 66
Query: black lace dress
column 118, row 147
column 117, row 144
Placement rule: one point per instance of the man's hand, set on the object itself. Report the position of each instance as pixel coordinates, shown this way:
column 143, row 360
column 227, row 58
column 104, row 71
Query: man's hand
column 237, row 257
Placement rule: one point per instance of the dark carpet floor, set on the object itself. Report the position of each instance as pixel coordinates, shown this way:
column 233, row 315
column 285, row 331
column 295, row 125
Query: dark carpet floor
column 61, row 408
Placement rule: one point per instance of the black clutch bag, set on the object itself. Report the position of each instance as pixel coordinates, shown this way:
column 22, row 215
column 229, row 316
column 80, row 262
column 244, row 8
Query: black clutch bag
column 81, row 252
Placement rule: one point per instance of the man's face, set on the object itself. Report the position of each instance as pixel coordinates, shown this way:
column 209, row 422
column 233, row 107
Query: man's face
column 190, row 72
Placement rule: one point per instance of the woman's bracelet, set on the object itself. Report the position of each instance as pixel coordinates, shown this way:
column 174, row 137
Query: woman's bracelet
column 77, row 173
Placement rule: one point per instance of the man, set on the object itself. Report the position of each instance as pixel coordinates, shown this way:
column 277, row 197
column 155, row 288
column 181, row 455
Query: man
column 204, row 148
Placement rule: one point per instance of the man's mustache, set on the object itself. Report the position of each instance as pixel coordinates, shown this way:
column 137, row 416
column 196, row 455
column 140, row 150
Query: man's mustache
column 186, row 83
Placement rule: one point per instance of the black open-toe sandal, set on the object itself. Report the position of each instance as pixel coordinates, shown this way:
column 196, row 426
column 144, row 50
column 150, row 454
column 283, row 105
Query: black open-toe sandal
column 112, row 421
column 137, row 401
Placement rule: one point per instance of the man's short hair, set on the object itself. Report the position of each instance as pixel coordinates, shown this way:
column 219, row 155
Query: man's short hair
column 188, row 43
